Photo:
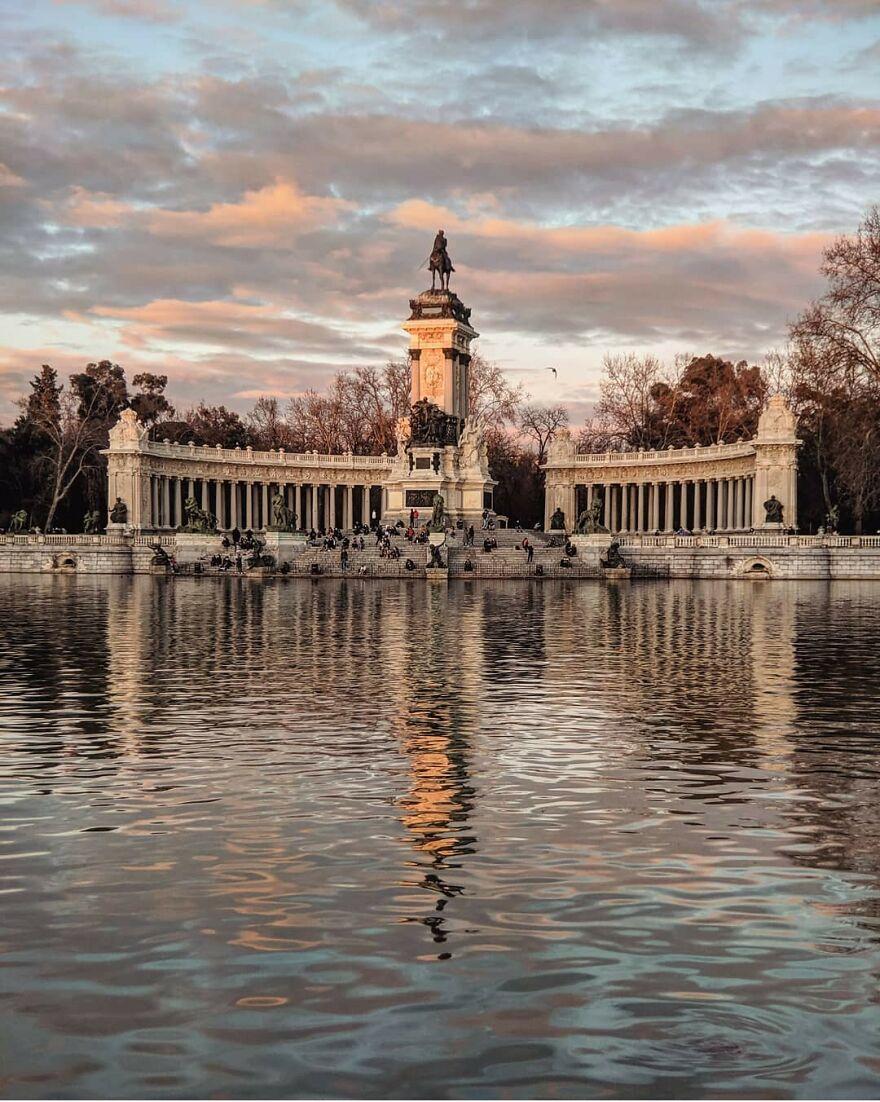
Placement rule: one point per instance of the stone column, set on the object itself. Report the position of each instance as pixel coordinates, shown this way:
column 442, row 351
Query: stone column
column 348, row 519
column 743, row 503
column 614, row 512
column 178, row 501
column 154, row 502
column 606, row 504
column 313, row 511
column 750, row 483
column 365, row 505
column 685, row 510
column 710, row 503
column 264, row 502
column 624, row 507
column 670, row 507
column 297, row 505
column 204, row 494
column 698, row 514
column 233, row 504
column 166, row 502
column 249, row 505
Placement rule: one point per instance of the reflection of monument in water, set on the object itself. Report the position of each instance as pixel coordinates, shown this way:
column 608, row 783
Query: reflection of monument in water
column 436, row 717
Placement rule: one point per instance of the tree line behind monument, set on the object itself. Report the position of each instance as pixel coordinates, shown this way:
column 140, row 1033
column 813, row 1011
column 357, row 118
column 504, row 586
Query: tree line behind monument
column 52, row 470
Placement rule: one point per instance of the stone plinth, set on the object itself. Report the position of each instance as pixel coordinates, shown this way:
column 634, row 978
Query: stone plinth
column 192, row 547
column 284, row 546
column 616, row 573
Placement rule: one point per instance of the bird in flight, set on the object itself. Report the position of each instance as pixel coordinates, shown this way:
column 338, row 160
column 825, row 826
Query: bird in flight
column 553, row 369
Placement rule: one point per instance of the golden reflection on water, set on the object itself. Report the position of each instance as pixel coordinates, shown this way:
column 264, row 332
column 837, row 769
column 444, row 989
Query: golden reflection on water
column 369, row 838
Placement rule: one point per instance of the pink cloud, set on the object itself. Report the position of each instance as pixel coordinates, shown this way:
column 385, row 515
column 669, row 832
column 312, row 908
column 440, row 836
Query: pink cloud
column 712, row 237
column 95, row 210
column 268, row 217
column 8, row 178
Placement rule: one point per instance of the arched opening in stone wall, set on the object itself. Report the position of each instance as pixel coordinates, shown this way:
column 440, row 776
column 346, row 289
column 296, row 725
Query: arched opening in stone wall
column 756, row 568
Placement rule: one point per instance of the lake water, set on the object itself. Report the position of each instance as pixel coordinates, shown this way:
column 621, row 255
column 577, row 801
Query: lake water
column 379, row 839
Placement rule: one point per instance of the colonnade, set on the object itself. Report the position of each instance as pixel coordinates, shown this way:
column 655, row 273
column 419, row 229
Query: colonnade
column 701, row 504
column 248, row 504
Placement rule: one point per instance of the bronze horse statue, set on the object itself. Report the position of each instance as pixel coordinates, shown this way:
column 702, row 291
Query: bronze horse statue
column 439, row 263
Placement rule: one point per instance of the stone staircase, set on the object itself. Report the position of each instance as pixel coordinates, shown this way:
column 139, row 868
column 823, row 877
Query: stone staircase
column 508, row 560
column 370, row 558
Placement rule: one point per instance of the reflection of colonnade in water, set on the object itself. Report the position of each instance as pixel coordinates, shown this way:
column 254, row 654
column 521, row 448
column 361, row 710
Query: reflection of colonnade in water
column 715, row 657
column 279, row 635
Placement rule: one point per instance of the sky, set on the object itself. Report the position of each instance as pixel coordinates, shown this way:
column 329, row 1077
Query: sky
column 240, row 193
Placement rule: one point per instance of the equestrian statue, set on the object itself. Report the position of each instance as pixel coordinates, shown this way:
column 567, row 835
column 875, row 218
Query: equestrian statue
column 439, row 262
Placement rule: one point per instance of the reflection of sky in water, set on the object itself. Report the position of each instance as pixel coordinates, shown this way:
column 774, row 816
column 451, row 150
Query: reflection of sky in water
column 372, row 839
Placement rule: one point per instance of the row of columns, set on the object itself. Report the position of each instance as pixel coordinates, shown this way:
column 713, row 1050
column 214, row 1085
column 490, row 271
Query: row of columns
column 240, row 504
column 722, row 504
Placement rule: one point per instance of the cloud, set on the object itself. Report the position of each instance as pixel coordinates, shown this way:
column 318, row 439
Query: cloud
column 145, row 11
column 269, row 217
column 539, row 20
column 8, row 179
column 225, row 324
column 95, row 210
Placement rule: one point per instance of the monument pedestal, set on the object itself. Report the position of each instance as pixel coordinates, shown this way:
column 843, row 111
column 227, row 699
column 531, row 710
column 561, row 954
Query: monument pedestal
column 454, row 471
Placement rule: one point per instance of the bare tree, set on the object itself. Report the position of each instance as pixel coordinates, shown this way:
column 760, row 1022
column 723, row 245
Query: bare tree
column 75, row 433
column 623, row 417
column 493, row 400
column 267, row 428
column 540, row 425
column 856, row 451
column 358, row 413
column 844, row 325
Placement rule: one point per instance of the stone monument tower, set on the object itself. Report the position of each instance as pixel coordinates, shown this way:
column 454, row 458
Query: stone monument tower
column 440, row 447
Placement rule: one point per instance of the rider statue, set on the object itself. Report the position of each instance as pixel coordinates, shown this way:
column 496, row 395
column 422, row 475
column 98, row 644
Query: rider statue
column 439, row 262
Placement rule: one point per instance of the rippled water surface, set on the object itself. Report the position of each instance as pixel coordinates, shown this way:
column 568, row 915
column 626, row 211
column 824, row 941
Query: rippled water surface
column 384, row 839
